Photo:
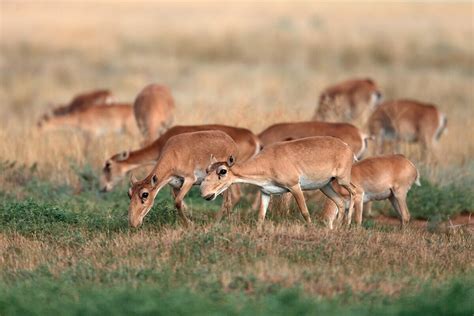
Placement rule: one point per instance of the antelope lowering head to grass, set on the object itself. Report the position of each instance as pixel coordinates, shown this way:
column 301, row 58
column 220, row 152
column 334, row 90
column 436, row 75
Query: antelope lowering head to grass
column 407, row 120
column 117, row 166
column 348, row 133
column 95, row 120
column 377, row 178
column 348, row 101
column 294, row 166
column 182, row 164
column 85, row 100
column 154, row 111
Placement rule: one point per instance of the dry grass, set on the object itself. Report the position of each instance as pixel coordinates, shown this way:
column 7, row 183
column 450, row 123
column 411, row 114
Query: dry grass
column 248, row 65
column 289, row 254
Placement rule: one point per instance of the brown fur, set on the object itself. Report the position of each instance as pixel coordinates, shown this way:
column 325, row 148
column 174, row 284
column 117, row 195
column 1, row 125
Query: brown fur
column 348, row 133
column 293, row 166
column 182, row 164
column 95, row 120
column 118, row 165
column 377, row 178
column 85, row 100
column 347, row 101
column 154, row 110
column 407, row 120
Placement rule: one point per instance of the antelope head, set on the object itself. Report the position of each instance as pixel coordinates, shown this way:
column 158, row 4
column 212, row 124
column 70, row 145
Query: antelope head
column 218, row 179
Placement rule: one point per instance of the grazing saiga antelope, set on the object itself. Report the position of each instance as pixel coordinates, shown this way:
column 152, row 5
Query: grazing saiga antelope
column 377, row 178
column 348, row 133
column 348, row 101
column 94, row 120
column 120, row 164
column 182, row 164
column 294, row 166
column 85, row 100
column 154, row 111
column 407, row 120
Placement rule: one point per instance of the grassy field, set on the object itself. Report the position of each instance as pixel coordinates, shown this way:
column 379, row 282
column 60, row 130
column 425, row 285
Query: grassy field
column 66, row 249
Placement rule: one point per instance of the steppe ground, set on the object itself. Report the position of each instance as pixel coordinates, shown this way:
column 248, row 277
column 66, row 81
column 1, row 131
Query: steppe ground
column 65, row 248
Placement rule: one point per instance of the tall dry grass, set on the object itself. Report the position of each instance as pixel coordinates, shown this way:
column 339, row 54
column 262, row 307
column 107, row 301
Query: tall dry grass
column 240, row 64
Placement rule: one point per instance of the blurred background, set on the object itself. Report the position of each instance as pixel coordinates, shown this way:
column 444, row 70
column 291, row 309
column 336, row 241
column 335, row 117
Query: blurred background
column 245, row 64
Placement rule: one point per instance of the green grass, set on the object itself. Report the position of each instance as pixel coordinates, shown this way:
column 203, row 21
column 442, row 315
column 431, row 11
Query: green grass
column 70, row 252
column 44, row 295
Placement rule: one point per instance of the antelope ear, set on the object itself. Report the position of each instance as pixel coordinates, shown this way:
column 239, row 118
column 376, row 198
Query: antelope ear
column 230, row 161
column 212, row 160
column 154, row 180
column 124, row 155
column 133, row 179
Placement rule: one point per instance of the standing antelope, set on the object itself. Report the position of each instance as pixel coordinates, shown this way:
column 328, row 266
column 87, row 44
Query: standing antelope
column 407, row 120
column 182, row 164
column 118, row 165
column 348, row 100
column 304, row 164
column 154, row 110
column 95, row 120
column 377, row 178
column 348, row 133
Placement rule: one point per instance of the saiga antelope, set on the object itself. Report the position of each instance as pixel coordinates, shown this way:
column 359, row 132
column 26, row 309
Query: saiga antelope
column 120, row 164
column 407, row 120
column 154, row 111
column 347, row 101
column 294, row 166
column 182, row 164
column 348, row 133
column 377, row 178
column 85, row 100
column 95, row 120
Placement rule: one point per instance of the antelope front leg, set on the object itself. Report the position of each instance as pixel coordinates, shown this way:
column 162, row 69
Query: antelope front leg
column 226, row 204
column 187, row 185
column 299, row 197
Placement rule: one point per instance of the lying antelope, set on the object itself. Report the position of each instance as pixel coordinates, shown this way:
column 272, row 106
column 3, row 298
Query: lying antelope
column 120, row 164
column 348, row 100
column 154, row 110
column 407, row 120
column 85, row 100
column 377, row 178
column 95, row 120
column 348, row 133
column 294, row 166
column 182, row 164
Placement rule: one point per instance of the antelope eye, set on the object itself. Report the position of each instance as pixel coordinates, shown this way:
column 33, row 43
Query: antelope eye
column 222, row 172
column 129, row 194
column 144, row 195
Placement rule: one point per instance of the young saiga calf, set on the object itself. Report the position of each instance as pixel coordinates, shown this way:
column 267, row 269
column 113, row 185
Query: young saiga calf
column 182, row 164
column 377, row 178
column 294, row 166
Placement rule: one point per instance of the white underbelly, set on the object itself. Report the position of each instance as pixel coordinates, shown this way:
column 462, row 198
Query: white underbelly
column 176, row 182
column 312, row 184
column 376, row 196
column 199, row 176
column 273, row 189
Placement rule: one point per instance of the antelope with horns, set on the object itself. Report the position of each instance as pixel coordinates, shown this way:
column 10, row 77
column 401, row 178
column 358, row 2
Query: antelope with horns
column 294, row 166
column 182, row 164
column 377, row 178
column 348, row 101
column 407, row 120
column 154, row 111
